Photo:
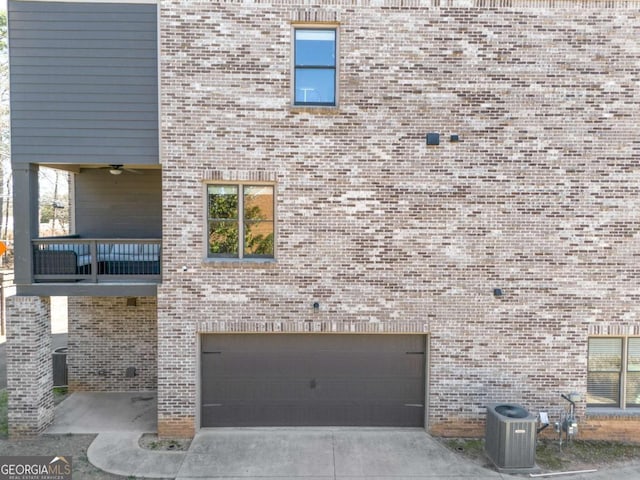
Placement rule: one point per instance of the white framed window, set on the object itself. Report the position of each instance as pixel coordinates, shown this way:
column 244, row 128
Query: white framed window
column 613, row 373
column 315, row 66
column 240, row 221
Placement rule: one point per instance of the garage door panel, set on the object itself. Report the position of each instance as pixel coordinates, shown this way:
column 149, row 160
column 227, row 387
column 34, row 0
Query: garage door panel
column 286, row 364
column 302, row 342
column 295, row 379
column 270, row 415
column 400, row 389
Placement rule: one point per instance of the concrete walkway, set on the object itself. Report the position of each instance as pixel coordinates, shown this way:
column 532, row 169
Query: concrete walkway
column 121, row 454
column 106, row 412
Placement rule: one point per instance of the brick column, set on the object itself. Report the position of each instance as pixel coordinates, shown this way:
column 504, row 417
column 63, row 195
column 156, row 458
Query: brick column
column 177, row 366
column 29, row 367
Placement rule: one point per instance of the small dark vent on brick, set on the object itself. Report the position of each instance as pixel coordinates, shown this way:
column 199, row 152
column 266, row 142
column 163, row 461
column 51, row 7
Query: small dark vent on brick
column 313, row 15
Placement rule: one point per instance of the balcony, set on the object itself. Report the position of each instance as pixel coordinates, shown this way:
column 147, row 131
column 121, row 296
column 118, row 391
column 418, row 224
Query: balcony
column 68, row 259
column 115, row 247
column 83, row 266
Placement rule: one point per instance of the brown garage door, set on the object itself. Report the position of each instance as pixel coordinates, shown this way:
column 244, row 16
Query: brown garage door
column 295, row 379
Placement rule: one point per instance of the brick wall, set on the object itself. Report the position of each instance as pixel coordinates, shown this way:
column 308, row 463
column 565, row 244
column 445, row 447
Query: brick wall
column 106, row 337
column 29, row 367
column 538, row 198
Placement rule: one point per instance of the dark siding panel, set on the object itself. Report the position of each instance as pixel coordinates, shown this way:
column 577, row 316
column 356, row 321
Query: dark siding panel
column 71, row 81
column 81, row 62
column 83, row 132
column 87, row 107
column 64, row 98
column 80, row 150
column 102, row 71
column 88, row 16
column 84, row 82
column 63, row 89
column 87, row 45
column 128, row 205
column 85, row 35
column 107, row 53
column 44, row 115
column 277, row 380
column 105, row 127
column 102, row 27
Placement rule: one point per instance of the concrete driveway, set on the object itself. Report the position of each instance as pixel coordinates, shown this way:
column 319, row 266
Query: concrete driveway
column 291, row 454
column 323, row 453
column 303, row 453
column 309, row 453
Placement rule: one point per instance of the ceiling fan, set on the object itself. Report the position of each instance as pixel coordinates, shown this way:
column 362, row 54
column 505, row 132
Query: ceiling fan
column 118, row 169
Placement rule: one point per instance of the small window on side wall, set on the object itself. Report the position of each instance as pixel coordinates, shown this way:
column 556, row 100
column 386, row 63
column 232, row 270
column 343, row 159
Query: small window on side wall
column 604, row 372
column 240, row 221
column 315, row 66
column 613, row 376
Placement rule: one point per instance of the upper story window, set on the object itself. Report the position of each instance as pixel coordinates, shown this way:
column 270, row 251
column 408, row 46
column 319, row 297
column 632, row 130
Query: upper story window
column 240, row 221
column 613, row 377
column 315, row 66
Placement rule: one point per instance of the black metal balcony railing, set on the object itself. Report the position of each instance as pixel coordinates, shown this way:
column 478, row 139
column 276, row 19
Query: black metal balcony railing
column 67, row 259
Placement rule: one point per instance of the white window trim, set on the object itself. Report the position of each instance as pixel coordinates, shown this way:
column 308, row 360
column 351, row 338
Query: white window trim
column 292, row 67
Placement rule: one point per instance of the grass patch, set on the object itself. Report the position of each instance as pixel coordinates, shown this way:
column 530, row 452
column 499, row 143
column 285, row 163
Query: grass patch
column 601, row 452
column 552, row 457
column 470, row 447
column 150, row 441
column 4, row 421
column 59, row 394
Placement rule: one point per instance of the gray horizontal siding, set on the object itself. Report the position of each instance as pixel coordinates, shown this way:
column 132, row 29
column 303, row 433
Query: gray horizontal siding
column 101, row 198
column 25, row 61
column 66, row 115
column 107, row 53
column 102, row 27
column 84, row 85
column 46, row 87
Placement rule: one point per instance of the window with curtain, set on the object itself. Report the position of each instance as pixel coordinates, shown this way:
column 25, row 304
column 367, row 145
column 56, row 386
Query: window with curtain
column 603, row 377
column 633, row 373
column 613, row 377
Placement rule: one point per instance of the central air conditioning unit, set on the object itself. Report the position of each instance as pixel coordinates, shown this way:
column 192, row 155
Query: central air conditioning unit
column 510, row 438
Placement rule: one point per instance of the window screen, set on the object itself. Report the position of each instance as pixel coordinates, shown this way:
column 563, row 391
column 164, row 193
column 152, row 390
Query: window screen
column 633, row 373
column 603, row 377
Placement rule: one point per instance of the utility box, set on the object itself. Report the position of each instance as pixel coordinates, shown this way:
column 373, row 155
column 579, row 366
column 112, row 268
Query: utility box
column 60, row 367
column 510, row 438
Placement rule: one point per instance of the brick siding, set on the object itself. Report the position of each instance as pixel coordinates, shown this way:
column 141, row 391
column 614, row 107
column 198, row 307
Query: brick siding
column 539, row 197
column 29, row 366
column 105, row 338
